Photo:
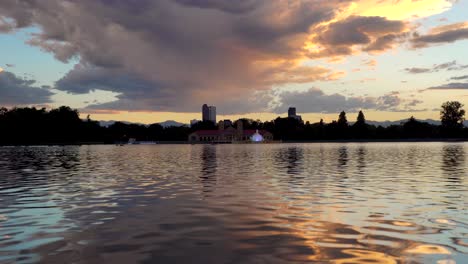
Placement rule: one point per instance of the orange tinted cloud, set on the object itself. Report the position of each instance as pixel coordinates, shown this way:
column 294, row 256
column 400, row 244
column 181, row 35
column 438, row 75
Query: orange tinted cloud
column 441, row 34
column 399, row 10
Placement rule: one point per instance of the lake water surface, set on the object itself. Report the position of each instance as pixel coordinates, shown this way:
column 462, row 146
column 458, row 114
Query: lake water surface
column 269, row 203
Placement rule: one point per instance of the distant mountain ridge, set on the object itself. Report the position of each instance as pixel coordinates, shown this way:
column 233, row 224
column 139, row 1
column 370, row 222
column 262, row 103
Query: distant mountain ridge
column 167, row 123
column 387, row 123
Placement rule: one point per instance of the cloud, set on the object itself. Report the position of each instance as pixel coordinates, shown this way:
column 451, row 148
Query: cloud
column 442, row 34
column 18, row 91
column 450, row 86
column 174, row 55
column 1, row 70
column 416, row 70
column 239, row 6
column 449, row 66
column 370, row 34
column 413, row 103
column 369, row 63
column 459, row 77
column 316, row 101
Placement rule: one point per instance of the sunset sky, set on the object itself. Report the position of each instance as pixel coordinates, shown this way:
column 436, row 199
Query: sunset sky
column 155, row 60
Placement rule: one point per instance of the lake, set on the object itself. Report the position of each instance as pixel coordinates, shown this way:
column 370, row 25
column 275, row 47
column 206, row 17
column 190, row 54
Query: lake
column 265, row 203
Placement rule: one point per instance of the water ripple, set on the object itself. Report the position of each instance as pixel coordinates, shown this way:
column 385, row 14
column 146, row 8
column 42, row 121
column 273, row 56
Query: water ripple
column 271, row 203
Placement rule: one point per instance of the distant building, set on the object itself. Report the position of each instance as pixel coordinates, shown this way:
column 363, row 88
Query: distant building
column 212, row 116
column 205, row 112
column 209, row 113
column 292, row 113
column 194, row 121
column 230, row 135
column 227, row 123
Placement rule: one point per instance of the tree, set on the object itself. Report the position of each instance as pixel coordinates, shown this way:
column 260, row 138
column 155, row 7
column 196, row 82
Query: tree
column 342, row 121
column 452, row 114
column 361, row 120
column 417, row 129
column 359, row 129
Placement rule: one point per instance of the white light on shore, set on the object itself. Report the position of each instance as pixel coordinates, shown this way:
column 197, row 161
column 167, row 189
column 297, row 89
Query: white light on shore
column 256, row 137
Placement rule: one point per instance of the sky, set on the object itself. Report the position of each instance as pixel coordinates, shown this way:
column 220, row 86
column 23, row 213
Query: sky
column 149, row 61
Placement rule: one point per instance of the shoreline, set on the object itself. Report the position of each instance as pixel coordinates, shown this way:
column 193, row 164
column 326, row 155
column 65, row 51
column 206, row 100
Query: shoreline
column 415, row 140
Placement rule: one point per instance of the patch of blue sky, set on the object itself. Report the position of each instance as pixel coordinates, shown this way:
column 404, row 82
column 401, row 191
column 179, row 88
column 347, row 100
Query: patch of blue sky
column 458, row 13
column 30, row 62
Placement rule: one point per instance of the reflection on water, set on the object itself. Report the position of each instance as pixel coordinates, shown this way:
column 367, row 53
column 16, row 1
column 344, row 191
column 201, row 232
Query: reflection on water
column 361, row 153
column 342, row 157
column 272, row 203
column 208, row 171
column 454, row 164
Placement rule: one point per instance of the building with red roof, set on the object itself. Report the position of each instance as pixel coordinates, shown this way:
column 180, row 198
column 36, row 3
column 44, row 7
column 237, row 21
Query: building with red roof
column 229, row 135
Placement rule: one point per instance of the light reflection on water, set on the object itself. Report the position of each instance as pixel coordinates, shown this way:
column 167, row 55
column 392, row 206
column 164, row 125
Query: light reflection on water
column 344, row 203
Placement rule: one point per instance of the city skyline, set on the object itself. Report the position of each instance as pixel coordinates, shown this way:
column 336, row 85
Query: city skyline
column 142, row 63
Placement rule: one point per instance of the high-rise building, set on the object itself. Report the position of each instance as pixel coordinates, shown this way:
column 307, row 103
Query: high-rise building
column 212, row 115
column 209, row 113
column 205, row 113
column 292, row 113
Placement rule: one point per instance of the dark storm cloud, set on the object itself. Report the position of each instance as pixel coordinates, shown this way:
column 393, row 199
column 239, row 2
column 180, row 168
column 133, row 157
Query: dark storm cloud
column 443, row 34
column 18, row 91
column 316, row 101
column 84, row 79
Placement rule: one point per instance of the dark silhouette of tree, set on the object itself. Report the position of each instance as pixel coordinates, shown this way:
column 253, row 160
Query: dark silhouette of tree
column 452, row 116
column 342, row 126
column 360, row 128
column 361, row 120
column 155, row 131
column 321, row 129
column 416, row 129
column 288, row 129
column 342, row 120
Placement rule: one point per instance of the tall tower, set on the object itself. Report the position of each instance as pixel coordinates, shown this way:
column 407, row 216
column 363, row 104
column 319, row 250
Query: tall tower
column 292, row 112
column 212, row 114
column 205, row 113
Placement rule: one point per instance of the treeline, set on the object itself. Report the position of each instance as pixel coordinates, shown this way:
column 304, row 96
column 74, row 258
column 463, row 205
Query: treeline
column 31, row 126
column 290, row 129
